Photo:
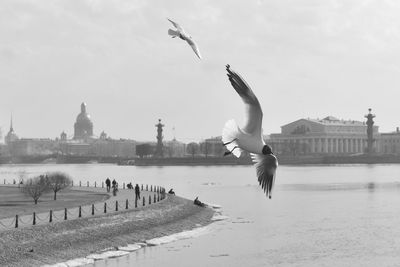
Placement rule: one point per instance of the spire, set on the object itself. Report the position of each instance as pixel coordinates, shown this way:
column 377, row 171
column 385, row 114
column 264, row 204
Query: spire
column 11, row 124
column 83, row 107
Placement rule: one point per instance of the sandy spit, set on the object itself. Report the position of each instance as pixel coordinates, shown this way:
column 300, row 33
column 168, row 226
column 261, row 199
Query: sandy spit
column 59, row 242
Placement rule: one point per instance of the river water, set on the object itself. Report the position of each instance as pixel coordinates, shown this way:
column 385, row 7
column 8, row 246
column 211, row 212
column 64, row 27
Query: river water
column 337, row 215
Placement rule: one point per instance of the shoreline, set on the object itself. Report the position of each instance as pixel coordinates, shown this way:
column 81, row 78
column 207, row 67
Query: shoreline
column 63, row 241
column 284, row 159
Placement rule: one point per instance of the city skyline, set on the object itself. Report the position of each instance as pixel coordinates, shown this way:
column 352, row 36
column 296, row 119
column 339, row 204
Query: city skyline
column 96, row 134
column 303, row 59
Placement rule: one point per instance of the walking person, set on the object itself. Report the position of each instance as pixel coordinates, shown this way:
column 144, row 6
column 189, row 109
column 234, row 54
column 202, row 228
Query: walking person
column 137, row 192
column 115, row 187
column 108, row 184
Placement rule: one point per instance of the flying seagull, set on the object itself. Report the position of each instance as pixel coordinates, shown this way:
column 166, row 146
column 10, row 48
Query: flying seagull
column 180, row 32
column 249, row 138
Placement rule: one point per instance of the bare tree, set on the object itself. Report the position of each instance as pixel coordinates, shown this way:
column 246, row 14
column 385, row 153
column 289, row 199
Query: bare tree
column 58, row 181
column 35, row 187
column 192, row 148
column 144, row 150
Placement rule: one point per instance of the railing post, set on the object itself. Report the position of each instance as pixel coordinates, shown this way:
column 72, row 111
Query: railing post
column 102, row 184
column 116, row 205
column 92, row 209
column 80, row 212
column 87, row 183
column 154, row 201
column 126, row 204
column 142, row 186
column 123, row 185
column 143, row 202
column 158, row 197
column 105, row 207
column 51, row 216
column 95, row 184
column 80, row 183
column 149, row 200
column 65, row 214
column 147, row 187
column 16, row 221
column 34, row 218
column 151, row 188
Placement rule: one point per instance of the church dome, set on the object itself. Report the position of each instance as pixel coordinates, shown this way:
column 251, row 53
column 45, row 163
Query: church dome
column 83, row 125
column 83, row 116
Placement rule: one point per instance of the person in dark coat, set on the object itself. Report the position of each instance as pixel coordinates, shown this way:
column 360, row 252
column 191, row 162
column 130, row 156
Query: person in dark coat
column 171, row 191
column 198, row 202
column 115, row 187
column 108, row 184
column 137, row 192
column 130, row 186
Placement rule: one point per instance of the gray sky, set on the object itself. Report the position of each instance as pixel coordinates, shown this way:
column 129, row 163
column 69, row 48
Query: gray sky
column 303, row 58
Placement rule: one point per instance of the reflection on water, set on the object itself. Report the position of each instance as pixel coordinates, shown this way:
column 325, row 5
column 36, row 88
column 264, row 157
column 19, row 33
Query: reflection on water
column 342, row 186
column 318, row 216
column 371, row 187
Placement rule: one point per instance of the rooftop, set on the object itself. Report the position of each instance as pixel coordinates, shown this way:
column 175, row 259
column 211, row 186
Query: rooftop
column 330, row 120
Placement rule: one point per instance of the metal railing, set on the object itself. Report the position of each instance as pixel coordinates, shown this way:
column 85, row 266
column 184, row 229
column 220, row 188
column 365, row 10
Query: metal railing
column 85, row 211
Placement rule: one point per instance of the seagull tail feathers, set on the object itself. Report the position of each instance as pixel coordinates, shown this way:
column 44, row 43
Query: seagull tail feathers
column 229, row 134
column 173, row 33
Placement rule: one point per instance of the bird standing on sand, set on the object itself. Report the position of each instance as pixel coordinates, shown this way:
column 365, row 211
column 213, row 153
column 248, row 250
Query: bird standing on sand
column 181, row 34
column 249, row 137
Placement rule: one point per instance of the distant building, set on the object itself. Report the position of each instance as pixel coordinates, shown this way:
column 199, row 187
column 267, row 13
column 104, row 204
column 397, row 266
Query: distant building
column 174, row 149
column 390, row 142
column 321, row 136
column 63, row 136
column 11, row 135
column 122, row 148
column 212, row 147
column 83, row 127
column 74, row 148
column 33, row 147
column 4, row 151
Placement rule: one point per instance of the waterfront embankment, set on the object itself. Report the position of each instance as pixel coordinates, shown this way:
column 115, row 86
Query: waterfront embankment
column 59, row 242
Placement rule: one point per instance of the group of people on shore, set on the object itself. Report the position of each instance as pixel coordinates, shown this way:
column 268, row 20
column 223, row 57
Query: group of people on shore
column 196, row 200
column 137, row 191
column 115, row 188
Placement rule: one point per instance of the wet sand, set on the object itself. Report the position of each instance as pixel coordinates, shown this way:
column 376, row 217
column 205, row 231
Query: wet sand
column 59, row 242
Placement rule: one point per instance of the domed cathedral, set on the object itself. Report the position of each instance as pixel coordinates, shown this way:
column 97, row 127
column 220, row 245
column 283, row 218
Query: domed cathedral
column 83, row 127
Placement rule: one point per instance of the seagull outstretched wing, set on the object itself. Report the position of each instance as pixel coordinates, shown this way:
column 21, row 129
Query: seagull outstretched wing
column 194, row 46
column 176, row 25
column 266, row 166
column 254, row 113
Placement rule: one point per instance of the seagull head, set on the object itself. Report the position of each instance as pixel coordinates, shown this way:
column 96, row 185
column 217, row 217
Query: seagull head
column 267, row 150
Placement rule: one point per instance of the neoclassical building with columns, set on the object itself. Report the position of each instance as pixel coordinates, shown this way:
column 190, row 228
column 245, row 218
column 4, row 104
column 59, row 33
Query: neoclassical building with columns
column 322, row 136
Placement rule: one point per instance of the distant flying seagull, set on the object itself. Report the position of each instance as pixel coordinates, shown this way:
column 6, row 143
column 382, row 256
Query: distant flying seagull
column 249, row 137
column 180, row 32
